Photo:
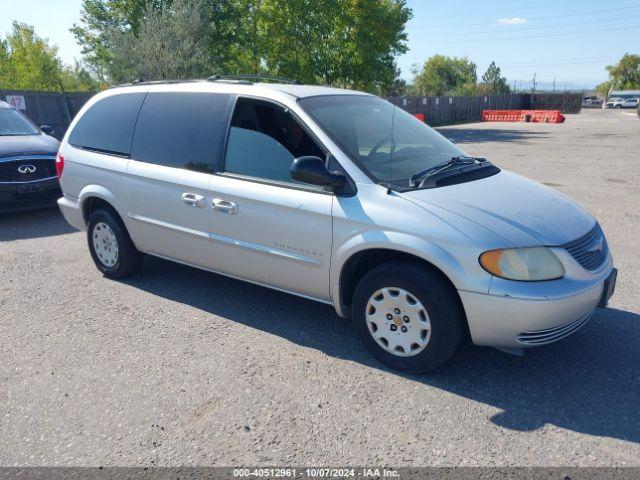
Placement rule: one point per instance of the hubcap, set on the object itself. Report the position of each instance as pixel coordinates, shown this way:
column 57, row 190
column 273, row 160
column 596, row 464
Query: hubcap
column 398, row 321
column 105, row 244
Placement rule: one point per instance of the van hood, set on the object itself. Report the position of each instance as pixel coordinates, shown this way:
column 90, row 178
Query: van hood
column 11, row 145
column 523, row 212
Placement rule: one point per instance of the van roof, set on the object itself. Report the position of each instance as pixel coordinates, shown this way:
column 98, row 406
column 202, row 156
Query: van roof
column 295, row 90
column 301, row 91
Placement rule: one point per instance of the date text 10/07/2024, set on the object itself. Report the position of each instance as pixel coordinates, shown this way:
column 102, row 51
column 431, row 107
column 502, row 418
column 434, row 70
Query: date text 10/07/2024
column 316, row 472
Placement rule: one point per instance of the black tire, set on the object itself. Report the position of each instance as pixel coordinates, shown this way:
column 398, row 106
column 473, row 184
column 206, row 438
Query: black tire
column 129, row 259
column 438, row 297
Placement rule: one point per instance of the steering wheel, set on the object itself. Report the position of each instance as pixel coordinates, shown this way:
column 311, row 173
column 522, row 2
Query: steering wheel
column 375, row 148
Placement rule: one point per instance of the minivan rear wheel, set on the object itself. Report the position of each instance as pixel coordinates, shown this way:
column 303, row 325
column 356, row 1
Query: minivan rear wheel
column 111, row 248
column 407, row 316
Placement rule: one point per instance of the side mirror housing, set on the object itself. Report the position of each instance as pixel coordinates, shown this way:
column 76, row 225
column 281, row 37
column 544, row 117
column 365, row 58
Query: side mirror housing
column 312, row 170
column 48, row 129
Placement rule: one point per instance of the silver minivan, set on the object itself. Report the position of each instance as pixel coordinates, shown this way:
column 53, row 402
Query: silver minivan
column 336, row 196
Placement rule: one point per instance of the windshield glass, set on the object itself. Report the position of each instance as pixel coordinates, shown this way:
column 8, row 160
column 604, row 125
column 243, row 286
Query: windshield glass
column 13, row 123
column 389, row 143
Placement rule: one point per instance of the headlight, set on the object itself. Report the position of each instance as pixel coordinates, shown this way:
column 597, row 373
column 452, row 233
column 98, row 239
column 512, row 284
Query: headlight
column 525, row 264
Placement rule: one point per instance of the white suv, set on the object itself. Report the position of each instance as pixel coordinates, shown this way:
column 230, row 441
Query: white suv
column 336, row 196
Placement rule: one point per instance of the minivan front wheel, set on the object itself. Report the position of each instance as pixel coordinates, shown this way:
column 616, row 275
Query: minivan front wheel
column 111, row 248
column 408, row 317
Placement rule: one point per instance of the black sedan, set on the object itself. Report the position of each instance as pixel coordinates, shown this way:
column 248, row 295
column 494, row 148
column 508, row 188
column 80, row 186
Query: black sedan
column 28, row 177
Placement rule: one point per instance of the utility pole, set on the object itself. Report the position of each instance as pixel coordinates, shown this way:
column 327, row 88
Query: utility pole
column 533, row 91
column 554, row 84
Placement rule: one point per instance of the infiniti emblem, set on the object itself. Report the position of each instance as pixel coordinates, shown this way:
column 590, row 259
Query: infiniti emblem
column 27, row 168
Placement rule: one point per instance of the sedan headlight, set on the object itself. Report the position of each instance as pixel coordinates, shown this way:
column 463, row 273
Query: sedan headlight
column 524, row 264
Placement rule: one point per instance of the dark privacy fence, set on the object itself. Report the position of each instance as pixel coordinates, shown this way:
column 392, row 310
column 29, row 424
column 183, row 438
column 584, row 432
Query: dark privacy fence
column 565, row 102
column 58, row 109
column 49, row 108
column 442, row 110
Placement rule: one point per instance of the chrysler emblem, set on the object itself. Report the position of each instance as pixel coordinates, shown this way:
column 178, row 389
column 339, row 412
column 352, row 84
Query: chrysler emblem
column 596, row 246
column 27, row 169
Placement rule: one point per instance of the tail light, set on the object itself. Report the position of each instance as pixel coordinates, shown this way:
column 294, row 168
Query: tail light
column 59, row 165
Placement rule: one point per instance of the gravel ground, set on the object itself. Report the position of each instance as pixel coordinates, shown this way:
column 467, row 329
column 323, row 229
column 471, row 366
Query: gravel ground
column 183, row 367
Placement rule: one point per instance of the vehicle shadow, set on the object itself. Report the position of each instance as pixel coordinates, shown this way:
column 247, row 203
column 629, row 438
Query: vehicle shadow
column 33, row 224
column 482, row 135
column 588, row 383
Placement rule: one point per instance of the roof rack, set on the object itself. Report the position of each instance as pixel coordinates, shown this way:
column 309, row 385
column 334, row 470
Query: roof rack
column 142, row 81
column 248, row 79
column 243, row 79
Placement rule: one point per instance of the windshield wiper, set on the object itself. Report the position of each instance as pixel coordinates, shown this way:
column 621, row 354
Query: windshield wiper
column 453, row 163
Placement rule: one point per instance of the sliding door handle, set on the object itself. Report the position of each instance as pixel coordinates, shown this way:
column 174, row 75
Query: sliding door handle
column 193, row 200
column 225, row 206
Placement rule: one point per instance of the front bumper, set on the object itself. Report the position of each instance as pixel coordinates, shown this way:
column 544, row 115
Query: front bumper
column 526, row 314
column 29, row 195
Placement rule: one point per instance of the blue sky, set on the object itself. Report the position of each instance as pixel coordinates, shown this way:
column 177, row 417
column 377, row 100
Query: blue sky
column 571, row 40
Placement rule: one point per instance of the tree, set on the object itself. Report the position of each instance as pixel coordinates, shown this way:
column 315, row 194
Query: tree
column 99, row 20
column 397, row 88
column 168, row 44
column 603, row 89
column 625, row 75
column 337, row 42
column 28, row 62
column 493, row 82
column 78, row 79
column 441, row 75
column 237, row 37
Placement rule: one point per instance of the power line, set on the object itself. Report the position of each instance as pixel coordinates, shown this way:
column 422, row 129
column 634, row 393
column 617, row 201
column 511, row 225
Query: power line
column 564, row 34
column 543, row 65
column 547, row 17
column 557, row 60
column 537, row 8
column 541, row 27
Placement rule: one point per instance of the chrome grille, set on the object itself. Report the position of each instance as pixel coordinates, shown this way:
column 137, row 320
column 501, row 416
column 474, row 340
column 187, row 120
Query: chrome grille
column 549, row 335
column 45, row 167
column 590, row 250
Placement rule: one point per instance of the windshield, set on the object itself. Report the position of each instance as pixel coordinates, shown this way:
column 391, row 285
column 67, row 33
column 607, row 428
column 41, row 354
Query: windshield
column 390, row 144
column 13, row 123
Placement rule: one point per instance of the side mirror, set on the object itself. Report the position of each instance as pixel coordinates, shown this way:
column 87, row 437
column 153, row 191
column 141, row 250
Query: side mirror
column 48, row 129
column 312, row 170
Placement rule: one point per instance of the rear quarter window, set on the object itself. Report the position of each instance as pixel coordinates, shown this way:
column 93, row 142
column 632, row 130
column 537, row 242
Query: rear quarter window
column 182, row 130
column 107, row 126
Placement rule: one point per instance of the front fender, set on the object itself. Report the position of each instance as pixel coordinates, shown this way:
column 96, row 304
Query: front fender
column 452, row 266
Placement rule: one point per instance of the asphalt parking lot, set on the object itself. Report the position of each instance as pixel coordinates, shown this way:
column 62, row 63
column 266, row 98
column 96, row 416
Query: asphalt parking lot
column 182, row 367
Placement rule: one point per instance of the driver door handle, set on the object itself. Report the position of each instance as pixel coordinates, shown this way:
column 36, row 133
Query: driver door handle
column 225, row 206
column 193, row 200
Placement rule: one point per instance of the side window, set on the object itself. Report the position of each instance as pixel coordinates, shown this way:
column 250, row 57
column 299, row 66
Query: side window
column 108, row 125
column 264, row 139
column 182, row 130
